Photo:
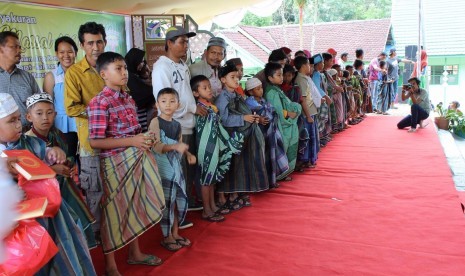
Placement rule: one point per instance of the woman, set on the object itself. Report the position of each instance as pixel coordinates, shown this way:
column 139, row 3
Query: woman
column 65, row 50
column 140, row 85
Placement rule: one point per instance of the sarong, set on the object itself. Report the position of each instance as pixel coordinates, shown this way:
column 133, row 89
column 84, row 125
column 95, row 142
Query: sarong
column 133, row 197
column 309, row 153
column 174, row 185
column 287, row 126
column 218, row 147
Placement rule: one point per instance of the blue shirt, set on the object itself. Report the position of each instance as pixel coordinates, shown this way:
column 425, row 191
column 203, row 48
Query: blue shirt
column 317, row 81
column 228, row 119
column 62, row 121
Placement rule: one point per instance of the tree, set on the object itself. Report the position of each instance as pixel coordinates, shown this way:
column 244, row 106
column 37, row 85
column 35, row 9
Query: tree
column 328, row 11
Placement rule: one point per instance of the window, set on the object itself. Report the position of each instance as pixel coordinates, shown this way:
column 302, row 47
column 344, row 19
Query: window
column 436, row 76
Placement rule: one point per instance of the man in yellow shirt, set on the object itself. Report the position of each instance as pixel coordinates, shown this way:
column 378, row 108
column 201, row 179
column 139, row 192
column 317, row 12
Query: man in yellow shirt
column 82, row 83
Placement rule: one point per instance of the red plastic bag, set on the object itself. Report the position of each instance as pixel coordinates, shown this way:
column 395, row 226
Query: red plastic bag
column 43, row 188
column 28, row 248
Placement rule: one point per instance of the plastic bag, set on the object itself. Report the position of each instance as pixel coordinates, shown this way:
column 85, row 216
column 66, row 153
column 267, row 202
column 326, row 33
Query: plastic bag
column 29, row 247
column 43, row 188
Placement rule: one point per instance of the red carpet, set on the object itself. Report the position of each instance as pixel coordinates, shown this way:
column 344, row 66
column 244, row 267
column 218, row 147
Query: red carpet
column 381, row 202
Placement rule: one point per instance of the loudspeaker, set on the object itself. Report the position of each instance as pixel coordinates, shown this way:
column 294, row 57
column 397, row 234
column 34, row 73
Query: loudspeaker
column 411, row 52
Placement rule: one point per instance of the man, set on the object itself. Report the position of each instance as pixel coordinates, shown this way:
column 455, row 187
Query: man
column 393, row 73
column 171, row 71
column 18, row 83
column 276, row 56
column 214, row 55
column 420, row 105
column 343, row 60
column 373, row 77
column 82, row 83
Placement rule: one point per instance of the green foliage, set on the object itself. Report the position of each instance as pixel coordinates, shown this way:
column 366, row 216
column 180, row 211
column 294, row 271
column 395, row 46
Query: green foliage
column 456, row 121
column 328, row 11
column 251, row 19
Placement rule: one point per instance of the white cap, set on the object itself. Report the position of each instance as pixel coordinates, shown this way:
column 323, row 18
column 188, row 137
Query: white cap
column 7, row 105
column 252, row 83
column 332, row 72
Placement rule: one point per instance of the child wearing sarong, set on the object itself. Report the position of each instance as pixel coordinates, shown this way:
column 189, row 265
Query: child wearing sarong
column 169, row 150
column 248, row 170
column 41, row 113
column 73, row 257
column 276, row 159
column 217, row 147
column 309, row 154
column 288, row 113
column 133, row 197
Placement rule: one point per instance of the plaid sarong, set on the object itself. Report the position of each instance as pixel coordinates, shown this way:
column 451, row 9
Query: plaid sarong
column 174, row 185
column 133, row 197
column 217, row 147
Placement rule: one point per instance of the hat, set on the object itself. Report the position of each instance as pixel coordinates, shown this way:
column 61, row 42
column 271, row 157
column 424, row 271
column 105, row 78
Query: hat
column 7, row 105
column 235, row 61
column 175, row 31
column 226, row 69
column 217, row 41
column 252, row 83
column 317, row 58
column 392, row 50
column 332, row 51
column 332, row 72
column 39, row 97
column 286, row 50
column 307, row 53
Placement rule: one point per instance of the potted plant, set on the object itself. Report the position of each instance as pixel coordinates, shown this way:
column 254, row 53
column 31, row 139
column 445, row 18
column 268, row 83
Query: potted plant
column 457, row 122
column 441, row 122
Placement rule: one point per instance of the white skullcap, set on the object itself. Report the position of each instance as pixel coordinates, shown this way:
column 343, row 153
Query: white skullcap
column 7, row 105
column 332, row 72
column 252, row 83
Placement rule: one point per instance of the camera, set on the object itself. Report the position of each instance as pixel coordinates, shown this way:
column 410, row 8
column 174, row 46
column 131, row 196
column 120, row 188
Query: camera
column 407, row 86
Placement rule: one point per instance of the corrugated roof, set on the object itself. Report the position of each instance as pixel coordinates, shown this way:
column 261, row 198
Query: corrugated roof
column 343, row 36
column 444, row 26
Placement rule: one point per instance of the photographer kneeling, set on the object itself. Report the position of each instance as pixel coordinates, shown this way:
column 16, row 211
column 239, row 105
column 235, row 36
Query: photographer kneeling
column 420, row 104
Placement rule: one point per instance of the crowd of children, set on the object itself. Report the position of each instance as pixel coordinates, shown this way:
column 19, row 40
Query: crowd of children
column 247, row 142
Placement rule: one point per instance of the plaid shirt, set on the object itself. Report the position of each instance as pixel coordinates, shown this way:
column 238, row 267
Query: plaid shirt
column 112, row 114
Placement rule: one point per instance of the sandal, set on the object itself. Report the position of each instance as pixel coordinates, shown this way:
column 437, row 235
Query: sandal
column 231, row 205
column 184, row 242
column 214, row 218
column 222, row 210
column 246, row 200
column 151, row 260
column 171, row 246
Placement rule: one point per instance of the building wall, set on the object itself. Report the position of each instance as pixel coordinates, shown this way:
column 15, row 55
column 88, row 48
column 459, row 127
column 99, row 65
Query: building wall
column 448, row 93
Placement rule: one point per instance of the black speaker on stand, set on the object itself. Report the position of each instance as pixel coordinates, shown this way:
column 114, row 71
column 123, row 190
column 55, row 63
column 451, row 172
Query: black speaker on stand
column 411, row 54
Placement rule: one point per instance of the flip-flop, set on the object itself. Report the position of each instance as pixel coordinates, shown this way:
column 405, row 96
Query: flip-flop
column 168, row 246
column 151, row 260
column 214, row 218
column 184, row 242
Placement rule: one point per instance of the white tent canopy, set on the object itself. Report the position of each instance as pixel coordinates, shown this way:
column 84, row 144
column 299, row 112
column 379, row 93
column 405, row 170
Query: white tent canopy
column 201, row 11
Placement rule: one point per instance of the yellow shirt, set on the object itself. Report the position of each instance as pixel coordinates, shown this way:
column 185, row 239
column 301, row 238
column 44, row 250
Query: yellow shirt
column 82, row 83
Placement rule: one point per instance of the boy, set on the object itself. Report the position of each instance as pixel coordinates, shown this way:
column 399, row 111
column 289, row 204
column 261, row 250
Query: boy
column 309, row 155
column 247, row 172
column 324, row 120
column 288, row 113
column 169, row 150
column 214, row 161
column 276, row 159
column 133, row 198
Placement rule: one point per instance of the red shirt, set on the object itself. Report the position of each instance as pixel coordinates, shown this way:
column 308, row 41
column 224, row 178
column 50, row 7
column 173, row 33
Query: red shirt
column 112, row 114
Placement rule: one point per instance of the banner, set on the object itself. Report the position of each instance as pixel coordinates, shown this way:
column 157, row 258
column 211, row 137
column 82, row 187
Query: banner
column 38, row 27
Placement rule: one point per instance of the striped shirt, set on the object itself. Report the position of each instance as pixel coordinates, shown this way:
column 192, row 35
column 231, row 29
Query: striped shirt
column 20, row 85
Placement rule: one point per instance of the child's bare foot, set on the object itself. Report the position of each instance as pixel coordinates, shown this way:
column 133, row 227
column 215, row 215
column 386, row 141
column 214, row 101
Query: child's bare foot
column 182, row 241
column 144, row 259
column 170, row 244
